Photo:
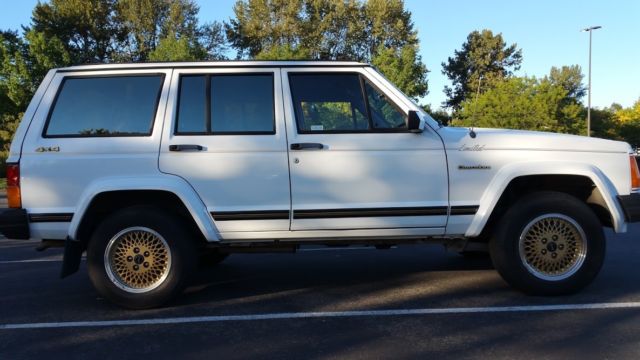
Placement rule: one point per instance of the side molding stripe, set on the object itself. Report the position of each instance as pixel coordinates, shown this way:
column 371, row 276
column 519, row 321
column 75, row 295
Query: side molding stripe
column 52, row 217
column 342, row 213
column 370, row 212
column 251, row 215
column 464, row 210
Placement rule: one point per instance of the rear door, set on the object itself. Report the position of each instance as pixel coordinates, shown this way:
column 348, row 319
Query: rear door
column 224, row 133
column 354, row 164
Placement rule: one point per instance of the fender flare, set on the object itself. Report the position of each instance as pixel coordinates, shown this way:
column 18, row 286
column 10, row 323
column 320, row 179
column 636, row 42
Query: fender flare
column 505, row 175
column 160, row 182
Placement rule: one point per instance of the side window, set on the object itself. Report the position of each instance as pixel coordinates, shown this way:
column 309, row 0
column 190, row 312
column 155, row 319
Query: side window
column 226, row 104
column 329, row 102
column 192, row 105
column 105, row 106
column 384, row 114
column 342, row 102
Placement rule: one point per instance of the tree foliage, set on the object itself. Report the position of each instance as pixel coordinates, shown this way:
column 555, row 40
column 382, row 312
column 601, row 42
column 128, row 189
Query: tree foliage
column 627, row 120
column 23, row 64
column 547, row 104
column 87, row 28
column 377, row 31
column 483, row 60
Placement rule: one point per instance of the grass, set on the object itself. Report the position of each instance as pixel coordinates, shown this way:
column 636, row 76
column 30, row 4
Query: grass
column 3, row 184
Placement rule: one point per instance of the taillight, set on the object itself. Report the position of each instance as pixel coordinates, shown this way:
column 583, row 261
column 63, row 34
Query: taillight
column 13, row 186
column 635, row 173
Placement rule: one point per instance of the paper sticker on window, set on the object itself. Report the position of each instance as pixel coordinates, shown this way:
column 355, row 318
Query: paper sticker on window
column 317, row 127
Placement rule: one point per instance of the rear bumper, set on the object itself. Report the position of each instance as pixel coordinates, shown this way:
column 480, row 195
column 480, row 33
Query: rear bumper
column 14, row 223
column 631, row 206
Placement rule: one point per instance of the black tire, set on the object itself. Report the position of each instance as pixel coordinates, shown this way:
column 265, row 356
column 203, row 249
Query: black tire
column 522, row 268
column 211, row 258
column 180, row 256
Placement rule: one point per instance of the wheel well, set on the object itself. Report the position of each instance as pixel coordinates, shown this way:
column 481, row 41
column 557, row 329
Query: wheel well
column 582, row 187
column 106, row 203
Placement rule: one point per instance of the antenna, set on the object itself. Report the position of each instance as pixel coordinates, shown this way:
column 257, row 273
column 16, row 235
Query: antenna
column 475, row 107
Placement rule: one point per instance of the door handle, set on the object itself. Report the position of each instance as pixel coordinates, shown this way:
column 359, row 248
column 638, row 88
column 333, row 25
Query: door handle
column 183, row 147
column 307, row 146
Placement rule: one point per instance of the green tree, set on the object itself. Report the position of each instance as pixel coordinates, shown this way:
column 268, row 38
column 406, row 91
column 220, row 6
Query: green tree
column 23, row 65
column 440, row 115
column 570, row 109
column 403, row 67
column 87, row 28
column 603, row 123
column 628, row 123
column 173, row 49
column 171, row 26
column 524, row 103
column 483, row 60
column 377, row 31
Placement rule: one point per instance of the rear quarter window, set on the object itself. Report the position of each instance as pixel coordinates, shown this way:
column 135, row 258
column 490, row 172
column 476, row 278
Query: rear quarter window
column 105, row 106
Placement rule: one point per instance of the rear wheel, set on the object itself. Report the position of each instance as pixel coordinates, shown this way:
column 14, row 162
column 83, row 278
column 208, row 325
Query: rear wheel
column 548, row 243
column 140, row 257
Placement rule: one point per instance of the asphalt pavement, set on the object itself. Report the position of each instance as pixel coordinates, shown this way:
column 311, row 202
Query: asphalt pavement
column 413, row 301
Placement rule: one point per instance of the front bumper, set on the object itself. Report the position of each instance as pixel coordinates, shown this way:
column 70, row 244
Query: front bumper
column 14, row 223
column 631, row 206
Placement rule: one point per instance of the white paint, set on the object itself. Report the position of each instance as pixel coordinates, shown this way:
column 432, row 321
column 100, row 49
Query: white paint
column 368, row 170
column 328, row 314
column 245, row 173
column 232, row 172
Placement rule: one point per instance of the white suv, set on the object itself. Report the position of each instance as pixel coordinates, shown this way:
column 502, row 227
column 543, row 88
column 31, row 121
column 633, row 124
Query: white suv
column 152, row 167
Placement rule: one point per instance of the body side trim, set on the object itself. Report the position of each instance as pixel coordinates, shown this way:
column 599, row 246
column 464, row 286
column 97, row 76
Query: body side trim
column 370, row 212
column 250, row 215
column 50, row 217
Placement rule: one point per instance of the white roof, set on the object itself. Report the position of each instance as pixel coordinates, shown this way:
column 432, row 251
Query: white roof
column 237, row 63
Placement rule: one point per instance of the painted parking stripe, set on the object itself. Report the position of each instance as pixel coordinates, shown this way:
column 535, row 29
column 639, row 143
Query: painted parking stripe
column 329, row 314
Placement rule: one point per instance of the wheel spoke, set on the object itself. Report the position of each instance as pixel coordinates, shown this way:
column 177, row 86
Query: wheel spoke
column 137, row 259
column 552, row 247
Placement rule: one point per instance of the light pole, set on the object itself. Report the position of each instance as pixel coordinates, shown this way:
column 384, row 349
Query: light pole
column 590, row 30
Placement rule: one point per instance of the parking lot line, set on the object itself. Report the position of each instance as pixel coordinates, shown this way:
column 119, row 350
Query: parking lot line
column 329, row 314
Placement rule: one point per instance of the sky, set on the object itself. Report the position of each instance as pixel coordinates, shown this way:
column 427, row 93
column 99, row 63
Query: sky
column 547, row 31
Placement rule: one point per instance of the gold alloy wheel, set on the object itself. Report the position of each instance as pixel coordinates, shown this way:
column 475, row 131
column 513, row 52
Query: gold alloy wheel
column 553, row 247
column 137, row 259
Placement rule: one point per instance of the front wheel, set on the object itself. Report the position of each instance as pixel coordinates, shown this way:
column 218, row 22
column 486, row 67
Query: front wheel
column 140, row 258
column 548, row 243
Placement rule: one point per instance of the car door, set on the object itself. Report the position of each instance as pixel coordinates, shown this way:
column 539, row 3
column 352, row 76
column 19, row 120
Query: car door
column 353, row 163
column 225, row 134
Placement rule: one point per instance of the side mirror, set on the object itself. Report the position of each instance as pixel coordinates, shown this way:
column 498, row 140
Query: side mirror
column 414, row 123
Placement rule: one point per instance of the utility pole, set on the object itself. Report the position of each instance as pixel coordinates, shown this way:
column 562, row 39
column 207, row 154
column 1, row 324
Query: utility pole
column 590, row 31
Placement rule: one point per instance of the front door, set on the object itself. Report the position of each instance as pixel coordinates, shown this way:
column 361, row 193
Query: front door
column 353, row 163
column 225, row 135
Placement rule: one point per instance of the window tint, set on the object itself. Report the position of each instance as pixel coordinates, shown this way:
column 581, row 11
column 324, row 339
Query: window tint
column 242, row 103
column 328, row 102
column 192, row 110
column 233, row 104
column 105, row 106
column 384, row 114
